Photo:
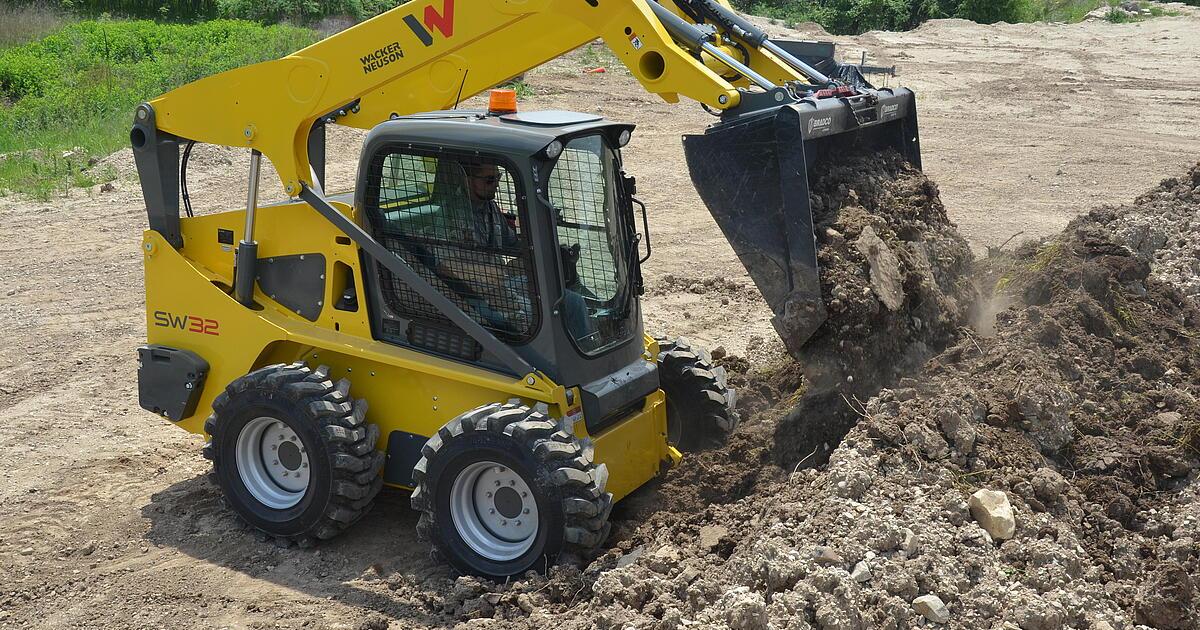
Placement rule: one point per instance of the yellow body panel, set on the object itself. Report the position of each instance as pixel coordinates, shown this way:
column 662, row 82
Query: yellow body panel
column 188, row 306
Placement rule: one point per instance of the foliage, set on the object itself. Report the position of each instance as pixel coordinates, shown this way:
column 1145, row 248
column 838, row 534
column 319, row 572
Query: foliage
column 857, row 16
column 72, row 93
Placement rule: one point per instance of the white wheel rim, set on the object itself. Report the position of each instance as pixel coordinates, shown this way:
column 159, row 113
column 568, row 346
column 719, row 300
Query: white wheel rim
column 494, row 511
column 273, row 463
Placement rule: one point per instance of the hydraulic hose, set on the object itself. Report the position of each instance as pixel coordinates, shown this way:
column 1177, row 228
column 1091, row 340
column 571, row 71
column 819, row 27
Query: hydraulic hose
column 742, row 29
column 699, row 39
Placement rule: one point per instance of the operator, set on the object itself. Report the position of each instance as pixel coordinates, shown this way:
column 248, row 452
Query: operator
column 509, row 293
column 479, row 267
column 491, row 226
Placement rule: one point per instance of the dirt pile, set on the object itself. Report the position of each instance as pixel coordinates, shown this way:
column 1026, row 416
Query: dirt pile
column 1164, row 225
column 1079, row 414
column 894, row 272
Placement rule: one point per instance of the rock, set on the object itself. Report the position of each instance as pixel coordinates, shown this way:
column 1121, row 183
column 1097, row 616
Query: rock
column 834, row 237
column 1045, row 410
column 1164, row 601
column 663, row 559
column 88, row 548
column 478, row 608
column 909, row 544
column 107, row 188
column 28, row 551
column 861, row 572
column 993, row 512
column 744, row 610
column 932, row 445
column 630, row 557
column 827, row 556
column 1040, row 614
column 711, row 536
column 886, row 280
column 958, row 429
column 1048, row 485
column 466, row 588
column 932, row 608
column 719, row 353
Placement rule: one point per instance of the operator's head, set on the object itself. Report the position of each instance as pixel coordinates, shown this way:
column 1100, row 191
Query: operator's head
column 483, row 178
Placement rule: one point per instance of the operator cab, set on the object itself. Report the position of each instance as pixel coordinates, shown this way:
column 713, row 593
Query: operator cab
column 525, row 221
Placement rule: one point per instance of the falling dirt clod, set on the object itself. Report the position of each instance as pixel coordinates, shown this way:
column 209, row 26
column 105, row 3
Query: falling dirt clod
column 894, row 273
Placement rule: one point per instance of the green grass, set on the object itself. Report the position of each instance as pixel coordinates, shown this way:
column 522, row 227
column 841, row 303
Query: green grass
column 26, row 23
column 69, row 96
column 523, row 89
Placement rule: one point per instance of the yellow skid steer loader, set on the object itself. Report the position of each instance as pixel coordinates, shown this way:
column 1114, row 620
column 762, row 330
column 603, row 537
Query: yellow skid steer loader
column 480, row 286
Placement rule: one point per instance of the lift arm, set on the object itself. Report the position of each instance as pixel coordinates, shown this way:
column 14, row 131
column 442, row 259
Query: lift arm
column 428, row 54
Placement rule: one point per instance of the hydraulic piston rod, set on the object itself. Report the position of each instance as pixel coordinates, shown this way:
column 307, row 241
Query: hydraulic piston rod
column 812, row 73
column 246, row 260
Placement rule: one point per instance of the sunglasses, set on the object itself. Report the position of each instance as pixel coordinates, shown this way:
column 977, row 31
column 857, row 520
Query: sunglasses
column 490, row 179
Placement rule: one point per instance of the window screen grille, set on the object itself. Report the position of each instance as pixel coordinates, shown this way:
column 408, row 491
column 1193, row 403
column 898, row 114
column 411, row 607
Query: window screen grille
column 595, row 243
column 456, row 220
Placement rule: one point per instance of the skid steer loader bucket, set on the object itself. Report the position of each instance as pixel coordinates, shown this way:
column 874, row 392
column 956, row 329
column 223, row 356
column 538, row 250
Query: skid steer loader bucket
column 752, row 172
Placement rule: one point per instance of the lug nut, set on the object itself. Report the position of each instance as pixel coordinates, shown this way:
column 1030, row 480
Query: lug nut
column 518, row 523
column 497, row 483
column 512, row 482
column 275, row 463
column 525, row 511
column 504, row 522
column 274, row 447
column 489, row 495
column 285, row 473
column 492, row 511
column 524, row 494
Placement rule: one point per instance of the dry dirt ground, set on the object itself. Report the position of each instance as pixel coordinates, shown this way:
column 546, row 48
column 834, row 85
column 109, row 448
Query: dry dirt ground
column 106, row 519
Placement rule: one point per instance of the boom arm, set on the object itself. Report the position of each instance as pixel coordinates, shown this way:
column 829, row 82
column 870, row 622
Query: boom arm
column 426, row 54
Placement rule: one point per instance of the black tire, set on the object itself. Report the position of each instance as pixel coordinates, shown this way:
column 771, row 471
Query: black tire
column 342, row 472
column 566, row 486
column 700, row 414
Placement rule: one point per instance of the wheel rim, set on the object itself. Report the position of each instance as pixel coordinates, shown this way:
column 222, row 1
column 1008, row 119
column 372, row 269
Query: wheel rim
column 273, row 463
column 494, row 511
column 674, row 425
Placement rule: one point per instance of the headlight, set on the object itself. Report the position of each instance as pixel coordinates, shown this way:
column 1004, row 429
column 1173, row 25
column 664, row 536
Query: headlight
column 623, row 139
column 554, row 150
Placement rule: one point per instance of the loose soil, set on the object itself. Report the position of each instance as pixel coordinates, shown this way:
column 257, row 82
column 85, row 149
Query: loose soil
column 1080, row 405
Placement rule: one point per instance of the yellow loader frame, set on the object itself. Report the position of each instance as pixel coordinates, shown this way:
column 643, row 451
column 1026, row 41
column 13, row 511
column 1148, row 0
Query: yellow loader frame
column 421, row 56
